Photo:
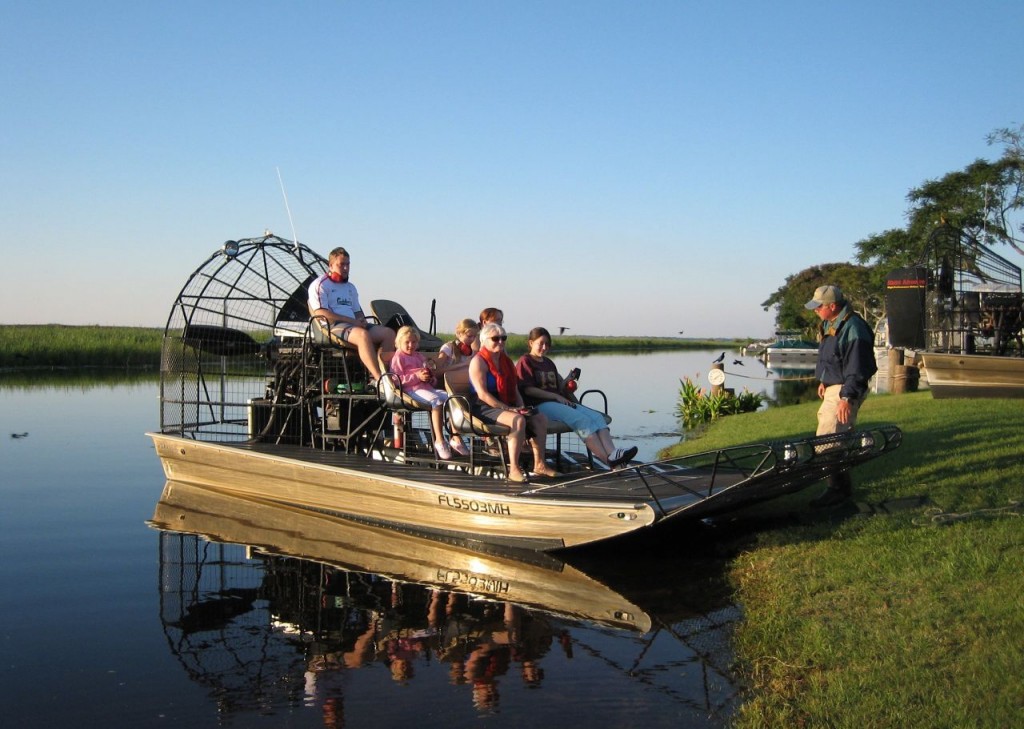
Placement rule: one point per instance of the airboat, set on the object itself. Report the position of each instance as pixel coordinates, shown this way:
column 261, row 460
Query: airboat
column 255, row 402
column 960, row 311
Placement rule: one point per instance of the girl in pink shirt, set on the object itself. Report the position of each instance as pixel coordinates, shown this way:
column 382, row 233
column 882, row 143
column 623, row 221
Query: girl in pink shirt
column 418, row 379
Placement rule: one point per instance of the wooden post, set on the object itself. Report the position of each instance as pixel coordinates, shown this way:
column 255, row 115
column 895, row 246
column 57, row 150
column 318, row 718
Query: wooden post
column 895, row 363
column 717, row 378
column 899, row 380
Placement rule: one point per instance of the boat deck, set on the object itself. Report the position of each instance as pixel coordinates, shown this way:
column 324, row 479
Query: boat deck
column 642, row 482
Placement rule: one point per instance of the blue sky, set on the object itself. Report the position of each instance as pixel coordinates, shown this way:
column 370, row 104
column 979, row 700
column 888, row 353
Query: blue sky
column 615, row 167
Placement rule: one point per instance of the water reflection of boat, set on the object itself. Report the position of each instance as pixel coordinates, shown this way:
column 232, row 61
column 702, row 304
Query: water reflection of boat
column 794, row 385
column 525, row 577
column 272, row 608
column 254, row 401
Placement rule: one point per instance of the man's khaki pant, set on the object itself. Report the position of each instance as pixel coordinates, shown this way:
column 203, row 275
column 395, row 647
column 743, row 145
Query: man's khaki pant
column 828, row 421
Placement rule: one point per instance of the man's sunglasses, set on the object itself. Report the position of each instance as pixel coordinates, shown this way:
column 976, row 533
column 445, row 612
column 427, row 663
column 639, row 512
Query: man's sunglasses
column 499, row 338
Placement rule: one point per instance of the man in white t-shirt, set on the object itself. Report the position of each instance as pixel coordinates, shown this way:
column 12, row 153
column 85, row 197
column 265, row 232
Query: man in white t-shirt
column 333, row 297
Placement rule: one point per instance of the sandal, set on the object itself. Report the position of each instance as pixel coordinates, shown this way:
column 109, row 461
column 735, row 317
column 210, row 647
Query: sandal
column 546, row 471
column 517, row 477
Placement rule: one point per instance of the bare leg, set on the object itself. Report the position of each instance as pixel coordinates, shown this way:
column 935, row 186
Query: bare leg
column 360, row 339
column 602, row 446
column 517, row 424
column 383, row 337
column 597, row 447
column 436, row 424
column 539, row 426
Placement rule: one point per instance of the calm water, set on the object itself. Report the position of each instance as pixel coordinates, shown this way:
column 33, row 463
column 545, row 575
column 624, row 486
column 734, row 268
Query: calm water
column 107, row 621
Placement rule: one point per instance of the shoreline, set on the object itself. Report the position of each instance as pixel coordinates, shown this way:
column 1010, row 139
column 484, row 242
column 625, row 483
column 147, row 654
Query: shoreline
column 906, row 596
column 24, row 346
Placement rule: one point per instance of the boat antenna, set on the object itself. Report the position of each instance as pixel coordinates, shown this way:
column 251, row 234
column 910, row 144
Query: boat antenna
column 288, row 209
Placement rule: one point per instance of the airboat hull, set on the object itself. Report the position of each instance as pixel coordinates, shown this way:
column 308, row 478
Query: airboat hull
column 490, row 511
column 794, row 356
column 973, row 375
column 565, row 512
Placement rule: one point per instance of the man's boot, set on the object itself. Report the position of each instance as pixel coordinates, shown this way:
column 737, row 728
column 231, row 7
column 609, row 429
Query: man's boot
column 840, row 487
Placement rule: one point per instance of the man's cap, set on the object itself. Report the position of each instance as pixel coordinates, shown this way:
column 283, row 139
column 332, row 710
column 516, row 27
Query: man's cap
column 825, row 295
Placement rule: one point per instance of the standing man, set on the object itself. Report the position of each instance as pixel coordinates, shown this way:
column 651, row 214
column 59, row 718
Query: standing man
column 333, row 297
column 846, row 361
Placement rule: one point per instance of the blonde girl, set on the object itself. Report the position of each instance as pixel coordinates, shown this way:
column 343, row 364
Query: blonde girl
column 458, row 352
column 418, row 380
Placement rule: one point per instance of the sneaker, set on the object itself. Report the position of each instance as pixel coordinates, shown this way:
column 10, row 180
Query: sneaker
column 458, row 446
column 443, row 451
column 621, row 456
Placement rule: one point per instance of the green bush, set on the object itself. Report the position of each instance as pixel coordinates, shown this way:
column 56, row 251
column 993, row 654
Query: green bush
column 696, row 406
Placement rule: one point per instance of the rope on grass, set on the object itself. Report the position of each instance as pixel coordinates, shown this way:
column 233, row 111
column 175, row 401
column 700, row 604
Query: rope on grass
column 938, row 517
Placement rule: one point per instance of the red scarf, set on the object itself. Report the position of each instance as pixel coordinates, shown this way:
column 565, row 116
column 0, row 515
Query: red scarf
column 504, row 374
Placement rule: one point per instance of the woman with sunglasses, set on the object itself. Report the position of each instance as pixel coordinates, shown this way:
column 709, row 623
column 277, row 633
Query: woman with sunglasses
column 497, row 400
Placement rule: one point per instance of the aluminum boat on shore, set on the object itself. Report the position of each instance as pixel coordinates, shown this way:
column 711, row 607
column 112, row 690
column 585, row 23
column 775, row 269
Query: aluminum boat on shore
column 254, row 403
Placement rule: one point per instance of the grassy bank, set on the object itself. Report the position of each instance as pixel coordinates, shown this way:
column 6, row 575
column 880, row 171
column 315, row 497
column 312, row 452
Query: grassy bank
column 58, row 345
column 892, row 616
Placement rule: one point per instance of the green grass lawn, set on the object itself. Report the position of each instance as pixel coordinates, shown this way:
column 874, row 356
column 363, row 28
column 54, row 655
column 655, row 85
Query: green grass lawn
column 890, row 616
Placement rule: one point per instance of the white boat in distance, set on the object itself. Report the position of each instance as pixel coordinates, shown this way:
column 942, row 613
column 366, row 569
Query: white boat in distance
column 254, row 403
column 789, row 349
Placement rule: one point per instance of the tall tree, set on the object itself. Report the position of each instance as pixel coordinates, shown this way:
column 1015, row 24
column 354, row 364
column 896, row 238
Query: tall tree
column 959, row 198
column 985, row 200
column 1005, row 206
column 883, row 252
column 857, row 283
